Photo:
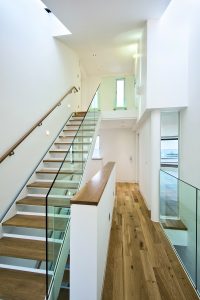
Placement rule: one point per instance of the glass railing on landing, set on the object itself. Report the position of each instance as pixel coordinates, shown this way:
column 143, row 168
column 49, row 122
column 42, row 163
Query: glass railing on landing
column 180, row 219
column 64, row 187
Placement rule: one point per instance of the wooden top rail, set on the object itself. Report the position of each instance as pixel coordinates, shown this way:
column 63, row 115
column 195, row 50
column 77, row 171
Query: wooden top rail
column 10, row 151
column 92, row 191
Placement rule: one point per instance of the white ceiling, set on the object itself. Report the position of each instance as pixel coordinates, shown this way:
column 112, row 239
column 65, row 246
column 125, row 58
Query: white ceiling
column 106, row 28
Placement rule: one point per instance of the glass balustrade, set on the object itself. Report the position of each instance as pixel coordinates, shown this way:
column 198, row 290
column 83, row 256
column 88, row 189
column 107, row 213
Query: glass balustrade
column 64, row 187
column 180, row 219
column 198, row 240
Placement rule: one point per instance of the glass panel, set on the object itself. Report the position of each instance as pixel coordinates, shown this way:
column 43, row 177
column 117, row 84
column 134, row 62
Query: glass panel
column 170, row 142
column 95, row 102
column 169, row 204
column 187, row 253
column 120, row 93
column 71, row 165
column 180, row 227
column 169, row 152
column 198, row 240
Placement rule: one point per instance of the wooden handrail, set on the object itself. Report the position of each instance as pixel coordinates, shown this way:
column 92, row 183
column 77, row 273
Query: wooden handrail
column 10, row 151
column 91, row 192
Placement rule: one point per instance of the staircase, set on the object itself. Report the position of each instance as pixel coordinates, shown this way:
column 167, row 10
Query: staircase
column 23, row 248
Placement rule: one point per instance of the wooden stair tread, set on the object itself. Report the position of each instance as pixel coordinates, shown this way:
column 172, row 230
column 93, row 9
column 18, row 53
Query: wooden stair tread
column 42, row 201
column 82, row 124
column 65, row 151
column 75, row 130
column 49, row 171
column 23, row 248
column 63, row 294
column 77, row 136
column 69, row 143
column 59, row 151
column 37, row 222
column 79, row 114
column 61, row 160
column 66, row 277
column 20, row 285
column 46, row 184
column 174, row 224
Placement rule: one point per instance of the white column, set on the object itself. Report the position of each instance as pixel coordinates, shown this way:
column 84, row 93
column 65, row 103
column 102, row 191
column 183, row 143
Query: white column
column 155, row 164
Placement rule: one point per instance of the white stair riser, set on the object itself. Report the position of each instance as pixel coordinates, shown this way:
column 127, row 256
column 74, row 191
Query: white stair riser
column 24, row 231
column 75, row 155
column 46, row 176
column 55, row 191
column 26, row 263
column 66, row 165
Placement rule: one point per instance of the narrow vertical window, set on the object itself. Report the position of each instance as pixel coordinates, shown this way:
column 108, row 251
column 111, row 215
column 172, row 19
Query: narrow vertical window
column 95, row 102
column 120, row 93
column 96, row 152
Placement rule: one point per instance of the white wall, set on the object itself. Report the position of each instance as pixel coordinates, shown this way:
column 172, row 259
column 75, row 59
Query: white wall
column 167, row 53
column 170, row 123
column 89, row 87
column 141, row 74
column 36, row 70
column 145, row 159
column 119, row 145
column 107, row 92
column 90, row 232
column 190, row 118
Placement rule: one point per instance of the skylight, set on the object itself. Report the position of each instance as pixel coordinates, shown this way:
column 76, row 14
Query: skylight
column 58, row 28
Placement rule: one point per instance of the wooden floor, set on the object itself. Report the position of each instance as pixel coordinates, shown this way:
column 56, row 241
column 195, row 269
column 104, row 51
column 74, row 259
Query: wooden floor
column 141, row 264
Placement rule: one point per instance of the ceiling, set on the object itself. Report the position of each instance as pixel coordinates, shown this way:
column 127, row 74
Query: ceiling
column 105, row 32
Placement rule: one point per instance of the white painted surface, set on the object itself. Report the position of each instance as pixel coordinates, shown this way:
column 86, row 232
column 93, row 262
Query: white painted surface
column 108, row 29
column 36, row 70
column 119, row 115
column 119, row 145
column 90, row 231
column 141, row 74
column 169, row 123
column 167, row 68
column 108, row 92
column 190, row 119
column 155, row 165
column 89, row 88
column 105, row 212
column 144, row 140
column 94, row 165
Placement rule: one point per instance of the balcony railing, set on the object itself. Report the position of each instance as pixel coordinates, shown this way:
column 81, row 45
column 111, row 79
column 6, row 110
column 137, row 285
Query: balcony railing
column 180, row 218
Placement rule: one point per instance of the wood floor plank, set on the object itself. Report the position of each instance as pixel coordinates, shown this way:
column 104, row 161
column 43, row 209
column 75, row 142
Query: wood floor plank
column 141, row 264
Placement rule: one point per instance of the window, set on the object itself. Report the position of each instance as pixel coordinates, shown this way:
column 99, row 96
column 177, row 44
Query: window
column 96, row 152
column 169, row 151
column 95, row 102
column 120, row 93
